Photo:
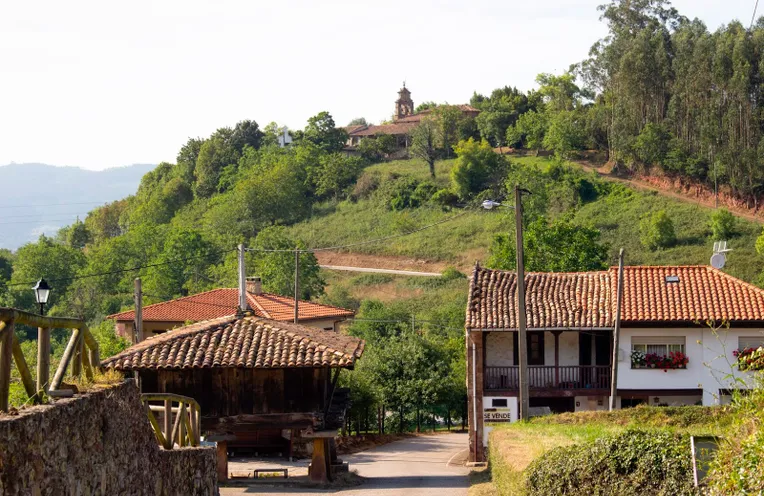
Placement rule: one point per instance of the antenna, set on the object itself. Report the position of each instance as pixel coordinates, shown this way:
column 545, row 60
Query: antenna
column 719, row 258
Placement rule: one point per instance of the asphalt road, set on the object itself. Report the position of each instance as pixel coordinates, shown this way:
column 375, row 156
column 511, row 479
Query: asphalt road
column 420, row 466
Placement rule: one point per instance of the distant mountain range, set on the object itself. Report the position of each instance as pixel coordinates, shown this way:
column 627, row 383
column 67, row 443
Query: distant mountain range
column 40, row 198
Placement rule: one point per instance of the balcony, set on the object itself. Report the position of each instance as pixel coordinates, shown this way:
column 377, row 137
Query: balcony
column 562, row 378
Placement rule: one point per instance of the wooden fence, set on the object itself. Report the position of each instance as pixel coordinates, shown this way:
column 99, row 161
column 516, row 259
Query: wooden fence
column 81, row 351
column 184, row 430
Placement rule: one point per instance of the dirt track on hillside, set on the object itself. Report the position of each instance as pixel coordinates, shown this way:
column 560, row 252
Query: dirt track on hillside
column 379, row 261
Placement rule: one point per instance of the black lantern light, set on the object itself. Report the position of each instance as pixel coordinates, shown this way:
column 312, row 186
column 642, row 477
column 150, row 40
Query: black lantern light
column 41, row 294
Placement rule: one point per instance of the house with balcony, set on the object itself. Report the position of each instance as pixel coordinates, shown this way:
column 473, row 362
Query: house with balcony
column 683, row 329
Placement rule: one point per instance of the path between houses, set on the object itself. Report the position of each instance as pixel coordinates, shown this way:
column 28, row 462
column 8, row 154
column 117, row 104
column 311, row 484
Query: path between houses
column 418, row 466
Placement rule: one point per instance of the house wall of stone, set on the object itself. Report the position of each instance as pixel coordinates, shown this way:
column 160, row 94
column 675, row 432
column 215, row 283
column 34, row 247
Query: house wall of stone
column 97, row 443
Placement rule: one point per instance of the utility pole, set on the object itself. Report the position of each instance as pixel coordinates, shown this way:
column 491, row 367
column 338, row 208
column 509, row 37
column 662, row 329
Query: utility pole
column 522, row 337
column 616, row 332
column 296, row 285
column 138, row 296
column 243, row 306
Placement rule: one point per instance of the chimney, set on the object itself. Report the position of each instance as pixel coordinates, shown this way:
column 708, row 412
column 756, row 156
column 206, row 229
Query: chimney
column 254, row 285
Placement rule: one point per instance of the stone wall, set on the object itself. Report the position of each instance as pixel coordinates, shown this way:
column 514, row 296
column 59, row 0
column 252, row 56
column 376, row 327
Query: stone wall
column 97, row 443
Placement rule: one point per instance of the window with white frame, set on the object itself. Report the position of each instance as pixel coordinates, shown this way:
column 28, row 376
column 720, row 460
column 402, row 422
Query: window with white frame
column 754, row 342
column 645, row 347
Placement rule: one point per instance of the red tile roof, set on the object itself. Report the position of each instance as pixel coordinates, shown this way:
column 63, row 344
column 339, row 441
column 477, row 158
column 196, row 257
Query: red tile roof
column 248, row 342
column 394, row 129
column 225, row 301
column 563, row 300
column 652, row 294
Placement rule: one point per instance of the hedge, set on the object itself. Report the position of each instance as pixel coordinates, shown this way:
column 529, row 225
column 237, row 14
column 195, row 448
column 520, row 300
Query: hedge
column 634, row 462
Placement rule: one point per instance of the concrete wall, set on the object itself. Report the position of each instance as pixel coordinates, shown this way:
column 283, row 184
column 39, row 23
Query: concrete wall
column 97, row 444
column 500, row 348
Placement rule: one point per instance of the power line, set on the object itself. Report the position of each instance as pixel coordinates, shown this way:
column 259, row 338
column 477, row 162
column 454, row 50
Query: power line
column 121, row 271
column 360, row 243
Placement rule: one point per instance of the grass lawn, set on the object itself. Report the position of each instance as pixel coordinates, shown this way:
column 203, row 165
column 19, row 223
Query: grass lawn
column 514, row 446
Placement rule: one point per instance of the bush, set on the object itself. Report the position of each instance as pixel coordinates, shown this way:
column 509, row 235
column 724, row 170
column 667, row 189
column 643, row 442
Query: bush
column 657, row 231
column 405, row 192
column 476, row 168
column 445, row 198
column 632, row 463
column 366, row 185
column 722, row 225
column 424, row 192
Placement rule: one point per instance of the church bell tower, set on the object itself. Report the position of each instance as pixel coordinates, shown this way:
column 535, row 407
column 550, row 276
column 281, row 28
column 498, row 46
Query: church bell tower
column 404, row 105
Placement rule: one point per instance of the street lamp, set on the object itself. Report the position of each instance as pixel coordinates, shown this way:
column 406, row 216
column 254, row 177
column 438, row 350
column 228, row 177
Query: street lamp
column 522, row 352
column 41, row 294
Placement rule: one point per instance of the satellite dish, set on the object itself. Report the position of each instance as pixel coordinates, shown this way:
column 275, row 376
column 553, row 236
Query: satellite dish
column 718, row 260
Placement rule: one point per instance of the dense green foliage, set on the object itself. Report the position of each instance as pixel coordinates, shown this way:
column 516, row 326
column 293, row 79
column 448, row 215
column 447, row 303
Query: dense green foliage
column 635, row 462
column 657, row 231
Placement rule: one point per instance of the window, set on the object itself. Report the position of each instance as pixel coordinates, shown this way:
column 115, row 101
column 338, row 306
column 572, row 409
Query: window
column 750, row 342
column 535, row 348
column 643, row 348
column 657, row 345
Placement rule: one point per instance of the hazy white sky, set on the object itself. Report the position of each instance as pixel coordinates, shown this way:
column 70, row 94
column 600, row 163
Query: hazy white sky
column 99, row 84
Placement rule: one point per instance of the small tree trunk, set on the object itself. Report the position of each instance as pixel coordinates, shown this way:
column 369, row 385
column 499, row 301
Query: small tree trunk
column 400, row 426
column 418, row 422
column 431, row 163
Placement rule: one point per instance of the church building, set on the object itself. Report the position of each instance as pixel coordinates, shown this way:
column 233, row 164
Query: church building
column 405, row 119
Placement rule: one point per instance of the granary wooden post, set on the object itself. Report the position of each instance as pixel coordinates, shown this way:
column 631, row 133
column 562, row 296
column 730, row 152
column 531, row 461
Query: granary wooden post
column 6, row 345
column 320, row 470
column 222, row 457
column 43, row 358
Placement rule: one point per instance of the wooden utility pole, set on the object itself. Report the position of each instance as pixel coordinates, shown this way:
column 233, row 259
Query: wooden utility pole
column 296, row 285
column 522, row 339
column 138, row 296
column 616, row 332
column 243, row 305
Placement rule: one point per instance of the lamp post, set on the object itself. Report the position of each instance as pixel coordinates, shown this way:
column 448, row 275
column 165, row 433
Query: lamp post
column 41, row 294
column 522, row 340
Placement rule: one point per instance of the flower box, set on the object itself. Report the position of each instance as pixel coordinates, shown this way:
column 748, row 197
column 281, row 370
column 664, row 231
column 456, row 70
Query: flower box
column 750, row 358
column 674, row 360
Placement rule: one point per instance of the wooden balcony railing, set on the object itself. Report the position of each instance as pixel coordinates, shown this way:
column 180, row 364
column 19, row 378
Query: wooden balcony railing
column 550, row 377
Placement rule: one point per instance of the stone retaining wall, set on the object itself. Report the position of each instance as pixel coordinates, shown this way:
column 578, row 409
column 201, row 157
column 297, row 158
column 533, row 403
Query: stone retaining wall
column 97, row 443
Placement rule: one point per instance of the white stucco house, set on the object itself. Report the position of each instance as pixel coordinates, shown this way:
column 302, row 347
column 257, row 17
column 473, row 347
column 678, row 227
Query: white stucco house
column 680, row 327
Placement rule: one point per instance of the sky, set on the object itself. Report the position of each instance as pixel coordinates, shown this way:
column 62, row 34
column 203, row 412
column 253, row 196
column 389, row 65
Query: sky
column 98, row 84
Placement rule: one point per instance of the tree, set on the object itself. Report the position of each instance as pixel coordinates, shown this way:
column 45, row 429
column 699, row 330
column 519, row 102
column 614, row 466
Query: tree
column 559, row 246
column 657, row 231
column 563, row 134
column 358, row 121
column 246, row 133
column 322, row 132
column 499, row 111
column 476, row 167
column 652, row 144
column 425, row 106
column 215, row 154
column 529, row 131
column 277, row 268
column 184, row 258
column 449, row 120
column 336, row 173
column 723, row 225
column 424, row 139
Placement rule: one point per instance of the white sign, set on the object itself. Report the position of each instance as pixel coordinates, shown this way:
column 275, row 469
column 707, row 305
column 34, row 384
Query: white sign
column 497, row 415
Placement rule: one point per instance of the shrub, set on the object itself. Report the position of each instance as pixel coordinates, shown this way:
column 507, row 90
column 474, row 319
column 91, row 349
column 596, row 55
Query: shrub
column 423, row 192
column 657, row 231
column 631, row 463
column 476, row 167
column 366, row 185
column 722, row 225
column 445, row 198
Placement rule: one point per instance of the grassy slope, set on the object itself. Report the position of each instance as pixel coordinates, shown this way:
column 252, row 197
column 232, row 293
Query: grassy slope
column 465, row 239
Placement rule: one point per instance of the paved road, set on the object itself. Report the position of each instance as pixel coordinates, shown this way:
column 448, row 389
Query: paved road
column 381, row 271
column 420, row 466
